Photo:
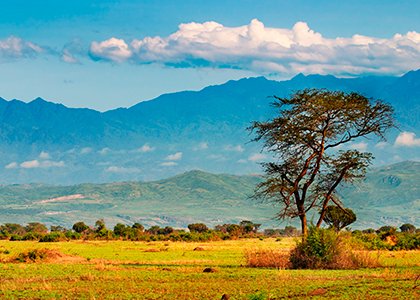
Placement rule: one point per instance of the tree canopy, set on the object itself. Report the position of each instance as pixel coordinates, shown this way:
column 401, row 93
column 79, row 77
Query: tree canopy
column 338, row 218
column 305, row 140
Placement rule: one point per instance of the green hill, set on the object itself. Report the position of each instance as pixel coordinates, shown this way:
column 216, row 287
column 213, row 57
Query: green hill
column 390, row 196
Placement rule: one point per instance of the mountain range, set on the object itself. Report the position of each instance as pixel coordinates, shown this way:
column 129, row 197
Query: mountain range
column 389, row 196
column 41, row 141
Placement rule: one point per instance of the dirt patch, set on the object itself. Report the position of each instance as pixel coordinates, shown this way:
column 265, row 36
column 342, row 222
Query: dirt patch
column 318, row 292
column 45, row 256
column 151, row 250
column 199, row 249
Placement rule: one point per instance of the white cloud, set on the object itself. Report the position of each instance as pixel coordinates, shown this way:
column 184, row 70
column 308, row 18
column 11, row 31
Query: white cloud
column 201, row 146
column 381, row 145
column 14, row 47
column 242, row 161
column 234, row 148
column 49, row 163
column 257, row 157
column 30, row 164
column 168, row 164
column 175, row 156
column 104, row 151
column 406, row 139
column 115, row 50
column 44, row 155
column 122, row 170
column 12, row 165
column 144, row 148
column 86, row 150
column 358, row 146
column 70, row 50
column 270, row 50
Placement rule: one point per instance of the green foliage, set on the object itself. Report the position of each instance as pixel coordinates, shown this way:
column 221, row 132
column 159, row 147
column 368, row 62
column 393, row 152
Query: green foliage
column 338, row 219
column 58, row 229
column 36, row 227
column 15, row 237
column 32, row 236
column 12, row 228
column 323, row 248
column 80, row 227
column 70, row 235
column 390, row 229
column 408, row 228
column 309, row 124
column 53, row 237
column 198, row 227
column 138, row 226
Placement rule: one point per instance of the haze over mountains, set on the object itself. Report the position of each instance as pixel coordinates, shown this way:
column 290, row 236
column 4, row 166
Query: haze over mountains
column 390, row 197
column 46, row 142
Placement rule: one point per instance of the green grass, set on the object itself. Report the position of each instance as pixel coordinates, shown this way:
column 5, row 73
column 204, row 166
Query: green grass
column 124, row 270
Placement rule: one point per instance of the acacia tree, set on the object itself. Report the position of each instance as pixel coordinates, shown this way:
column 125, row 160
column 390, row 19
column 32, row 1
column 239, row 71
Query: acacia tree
column 338, row 218
column 305, row 138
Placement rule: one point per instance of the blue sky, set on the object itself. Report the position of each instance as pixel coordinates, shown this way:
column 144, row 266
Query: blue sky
column 108, row 54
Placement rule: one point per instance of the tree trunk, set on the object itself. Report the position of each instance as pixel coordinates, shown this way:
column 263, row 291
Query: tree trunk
column 304, row 223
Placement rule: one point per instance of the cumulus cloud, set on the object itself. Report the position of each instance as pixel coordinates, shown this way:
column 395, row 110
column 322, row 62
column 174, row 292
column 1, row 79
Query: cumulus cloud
column 49, row 163
column 234, row 148
column 271, row 50
column 407, row 139
column 30, row 164
column 76, row 47
column 201, row 146
column 381, row 145
column 168, row 164
column 358, row 146
column 12, row 48
column 85, row 150
column 44, row 155
column 115, row 50
column 45, row 164
column 257, row 157
column 144, row 148
column 104, row 151
column 12, row 165
column 175, row 156
column 122, row 170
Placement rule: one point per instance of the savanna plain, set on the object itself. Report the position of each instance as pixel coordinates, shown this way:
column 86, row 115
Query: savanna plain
column 85, row 269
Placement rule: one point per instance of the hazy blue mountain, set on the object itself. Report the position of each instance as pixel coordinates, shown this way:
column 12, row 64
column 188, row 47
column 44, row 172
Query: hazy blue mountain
column 208, row 127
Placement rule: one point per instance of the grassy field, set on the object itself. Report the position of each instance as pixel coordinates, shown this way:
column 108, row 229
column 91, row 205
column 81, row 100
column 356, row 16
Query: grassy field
column 173, row 270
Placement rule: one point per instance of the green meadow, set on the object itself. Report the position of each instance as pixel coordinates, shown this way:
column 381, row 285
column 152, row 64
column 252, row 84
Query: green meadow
column 174, row 270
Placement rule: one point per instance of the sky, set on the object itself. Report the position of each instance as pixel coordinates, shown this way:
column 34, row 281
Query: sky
column 108, row 54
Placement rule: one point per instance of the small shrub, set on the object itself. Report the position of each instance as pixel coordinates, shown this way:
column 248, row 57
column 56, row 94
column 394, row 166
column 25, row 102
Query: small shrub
column 32, row 236
column 324, row 249
column 15, row 237
column 32, row 255
column 53, row 237
column 266, row 258
column 71, row 235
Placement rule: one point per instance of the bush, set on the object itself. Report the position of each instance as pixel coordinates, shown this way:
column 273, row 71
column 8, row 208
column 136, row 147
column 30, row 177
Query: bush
column 15, row 237
column 71, row 235
column 52, row 237
column 32, row 236
column 324, row 249
column 198, row 227
column 80, row 227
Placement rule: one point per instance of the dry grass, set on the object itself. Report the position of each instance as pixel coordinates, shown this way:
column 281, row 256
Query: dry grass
column 267, row 258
